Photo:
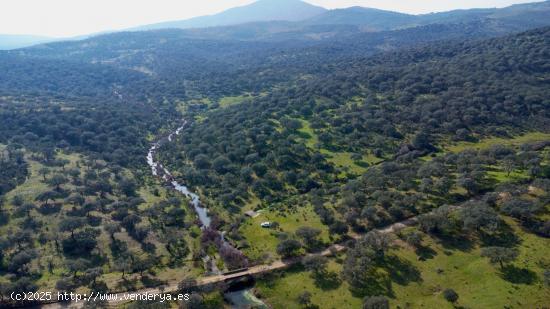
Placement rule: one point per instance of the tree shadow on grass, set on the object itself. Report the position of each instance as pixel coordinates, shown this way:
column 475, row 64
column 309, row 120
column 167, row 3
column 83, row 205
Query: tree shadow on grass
column 4, row 218
column 329, row 280
column 456, row 242
column 294, row 269
column 150, row 282
column 127, row 284
column 505, row 237
column 454, row 198
column 97, row 260
column 378, row 284
column 425, row 253
column 518, row 275
column 401, row 271
column 303, row 135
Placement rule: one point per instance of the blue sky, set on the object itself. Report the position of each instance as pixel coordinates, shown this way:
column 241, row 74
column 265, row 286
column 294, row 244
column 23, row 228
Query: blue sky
column 63, row 18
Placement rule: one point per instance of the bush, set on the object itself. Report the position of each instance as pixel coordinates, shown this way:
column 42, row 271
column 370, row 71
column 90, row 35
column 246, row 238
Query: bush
column 450, row 295
column 376, row 302
column 304, row 298
column 288, row 248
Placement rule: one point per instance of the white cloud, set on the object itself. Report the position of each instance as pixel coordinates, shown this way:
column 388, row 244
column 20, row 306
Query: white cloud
column 62, row 18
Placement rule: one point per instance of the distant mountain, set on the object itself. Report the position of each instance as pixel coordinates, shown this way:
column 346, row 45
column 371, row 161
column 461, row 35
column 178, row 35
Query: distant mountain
column 355, row 20
column 270, row 20
column 521, row 16
column 284, row 20
column 535, row 14
column 349, row 31
column 196, row 53
column 262, row 10
column 372, row 18
column 274, row 50
column 524, row 15
column 10, row 41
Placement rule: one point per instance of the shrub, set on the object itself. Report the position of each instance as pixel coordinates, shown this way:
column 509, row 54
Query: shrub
column 376, row 302
column 450, row 295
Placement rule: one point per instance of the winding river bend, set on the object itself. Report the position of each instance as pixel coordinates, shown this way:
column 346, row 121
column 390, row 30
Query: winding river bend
column 160, row 171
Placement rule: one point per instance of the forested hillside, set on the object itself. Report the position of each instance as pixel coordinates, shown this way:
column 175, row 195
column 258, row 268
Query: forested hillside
column 368, row 142
column 299, row 16
column 369, row 107
column 326, row 133
column 174, row 63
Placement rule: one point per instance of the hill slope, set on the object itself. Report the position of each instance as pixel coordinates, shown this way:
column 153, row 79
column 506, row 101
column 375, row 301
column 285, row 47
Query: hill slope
column 372, row 18
column 276, row 26
column 10, row 41
column 263, row 10
column 530, row 15
column 396, row 105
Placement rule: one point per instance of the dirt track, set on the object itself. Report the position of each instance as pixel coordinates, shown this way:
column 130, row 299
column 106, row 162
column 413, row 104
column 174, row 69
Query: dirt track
column 252, row 271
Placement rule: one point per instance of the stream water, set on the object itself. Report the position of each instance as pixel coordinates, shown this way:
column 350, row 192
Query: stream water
column 243, row 298
column 159, row 170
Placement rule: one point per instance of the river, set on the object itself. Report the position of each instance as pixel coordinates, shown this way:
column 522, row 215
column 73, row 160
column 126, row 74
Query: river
column 239, row 299
column 244, row 299
column 160, row 171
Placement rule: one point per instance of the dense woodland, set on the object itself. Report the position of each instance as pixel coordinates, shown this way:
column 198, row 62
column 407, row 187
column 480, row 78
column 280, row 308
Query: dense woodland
column 171, row 64
column 400, row 112
column 13, row 169
column 79, row 207
column 113, row 131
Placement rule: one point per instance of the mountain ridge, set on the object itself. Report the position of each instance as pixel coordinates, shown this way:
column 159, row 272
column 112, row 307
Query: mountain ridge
column 262, row 10
column 313, row 23
column 357, row 15
column 532, row 14
column 12, row 41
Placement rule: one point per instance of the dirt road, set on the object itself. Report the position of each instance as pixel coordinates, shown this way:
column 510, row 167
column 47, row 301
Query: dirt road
column 121, row 298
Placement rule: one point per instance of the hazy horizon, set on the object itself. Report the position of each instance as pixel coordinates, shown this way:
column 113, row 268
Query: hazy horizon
column 66, row 18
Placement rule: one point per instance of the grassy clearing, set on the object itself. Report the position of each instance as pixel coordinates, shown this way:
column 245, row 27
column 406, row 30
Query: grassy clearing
column 34, row 185
column 182, row 105
column 228, row 101
column 488, row 142
column 448, row 146
column 232, row 100
column 283, row 292
column 500, row 176
column 478, row 283
column 264, row 241
column 340, row 159
column 311, row 139
column 344, row 160
column 147, row 193
column 419, row 284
